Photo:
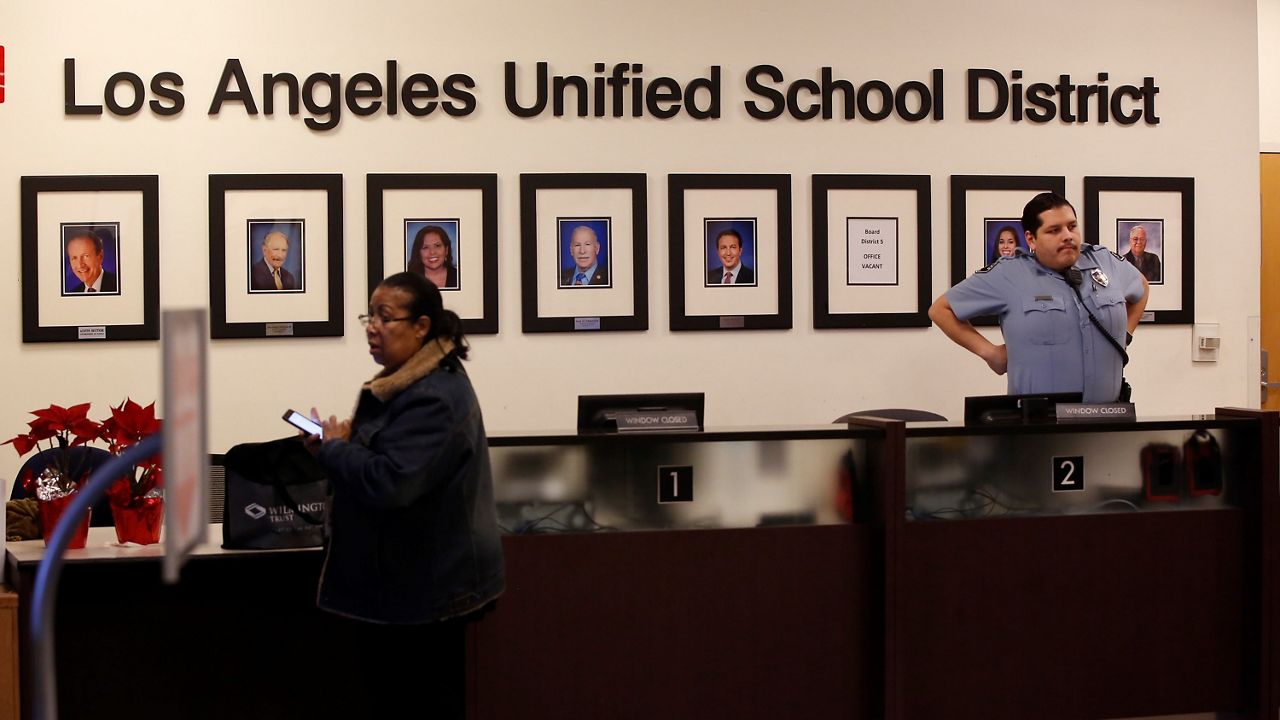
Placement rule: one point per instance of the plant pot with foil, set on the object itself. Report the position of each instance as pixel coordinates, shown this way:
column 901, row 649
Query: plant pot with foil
column 137, row 498
column 52, row 510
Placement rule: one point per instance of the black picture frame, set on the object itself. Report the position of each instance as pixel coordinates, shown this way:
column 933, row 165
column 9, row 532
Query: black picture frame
column 535, row 247
column 376, row 184
column 680, row 319
column 961, row 243
column 148, row 325
column 219, row 186
column 1185, row 189
column 823, row 316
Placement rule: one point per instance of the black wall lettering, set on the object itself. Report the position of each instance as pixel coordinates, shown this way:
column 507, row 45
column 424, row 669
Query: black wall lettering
column 848, row 95
column 139, row 93
column 294, row 97
column 1117, row 106
column 232, row 71
column 663, row 90
column 711, row 86
column 885, row 92
column 755, row 86
column 559, row 85
column 363, row 86
column 793, row 99
column 411, row 94
column 509, row 90
column 393, row 98
column 923, row 103
column 1149, row 90
column 71, row 107
column 457, row 87
column 165, row 86
column 976, row 76
column 1065, row 88
column 330, row 113
column 1040, row 95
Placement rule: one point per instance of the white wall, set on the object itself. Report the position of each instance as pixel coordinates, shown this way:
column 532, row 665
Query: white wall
column 1269, row 73
column 1209, row 124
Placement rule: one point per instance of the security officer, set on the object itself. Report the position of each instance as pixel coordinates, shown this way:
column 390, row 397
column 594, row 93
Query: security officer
column 1043, row 301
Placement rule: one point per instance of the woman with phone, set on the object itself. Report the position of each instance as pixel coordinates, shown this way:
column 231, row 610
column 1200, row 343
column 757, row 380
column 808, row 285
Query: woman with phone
column 413, row 548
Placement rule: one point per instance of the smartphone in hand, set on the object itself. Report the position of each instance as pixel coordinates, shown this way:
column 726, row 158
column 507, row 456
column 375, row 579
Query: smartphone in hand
column 303, row 423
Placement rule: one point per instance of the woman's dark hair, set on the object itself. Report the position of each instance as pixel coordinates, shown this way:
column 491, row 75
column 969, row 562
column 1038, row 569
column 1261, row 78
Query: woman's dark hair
column 426, row 301
column 415, row 255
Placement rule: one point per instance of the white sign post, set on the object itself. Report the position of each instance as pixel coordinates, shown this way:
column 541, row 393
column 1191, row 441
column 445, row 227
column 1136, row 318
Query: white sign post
column 184, row 334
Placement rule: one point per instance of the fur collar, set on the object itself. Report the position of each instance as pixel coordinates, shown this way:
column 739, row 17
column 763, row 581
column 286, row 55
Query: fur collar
column 386, row 386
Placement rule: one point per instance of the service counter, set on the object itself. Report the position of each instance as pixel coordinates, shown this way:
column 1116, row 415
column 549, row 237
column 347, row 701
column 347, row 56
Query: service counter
column 1037, row 573
column 880, row 569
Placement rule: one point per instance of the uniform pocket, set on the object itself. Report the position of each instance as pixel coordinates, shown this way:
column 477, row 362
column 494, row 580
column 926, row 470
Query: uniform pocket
column 1046, row 321
column 1113, row 312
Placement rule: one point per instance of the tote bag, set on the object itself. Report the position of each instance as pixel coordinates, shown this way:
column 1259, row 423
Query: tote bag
column 276, row 497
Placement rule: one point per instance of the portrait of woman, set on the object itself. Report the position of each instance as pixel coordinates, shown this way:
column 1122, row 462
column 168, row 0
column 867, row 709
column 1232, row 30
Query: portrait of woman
column 1003, row 238
column 1006, row 241
column 431, row 256
column 412, row 550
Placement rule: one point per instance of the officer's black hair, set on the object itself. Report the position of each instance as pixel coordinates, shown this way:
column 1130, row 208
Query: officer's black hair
column 1044, row 201
column 427, row 301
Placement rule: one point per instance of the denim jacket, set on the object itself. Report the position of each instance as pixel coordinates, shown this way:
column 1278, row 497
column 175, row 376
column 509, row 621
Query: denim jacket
column 413, row 536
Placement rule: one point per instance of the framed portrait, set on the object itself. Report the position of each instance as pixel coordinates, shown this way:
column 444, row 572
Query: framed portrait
column 584, row 252
column 871, row 251
column 90, row 258
column 444, row 226
column 92, row 253
column 982, row 206
column 1150, row 222
column 275, row 256
column 730, row 251
column 1004, row 237
column 275, row 253
column 1141, row 242
column 431, row 249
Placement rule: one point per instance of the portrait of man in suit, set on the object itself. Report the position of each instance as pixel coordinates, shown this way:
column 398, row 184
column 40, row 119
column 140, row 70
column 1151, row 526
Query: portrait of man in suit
column 730, row 252
column 91, row 254
column 1139, row 242
column 270, row 271
column 583, row 261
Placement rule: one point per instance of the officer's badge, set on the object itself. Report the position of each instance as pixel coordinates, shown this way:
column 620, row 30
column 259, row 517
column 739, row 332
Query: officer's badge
column 1100, row 277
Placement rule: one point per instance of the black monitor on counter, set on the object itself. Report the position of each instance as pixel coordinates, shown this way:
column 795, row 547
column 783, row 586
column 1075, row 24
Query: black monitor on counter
column 642, row 411
column 1014, row 409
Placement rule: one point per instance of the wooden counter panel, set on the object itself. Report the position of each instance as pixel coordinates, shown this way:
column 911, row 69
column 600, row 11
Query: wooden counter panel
column 755, row 623
column 1073, row 617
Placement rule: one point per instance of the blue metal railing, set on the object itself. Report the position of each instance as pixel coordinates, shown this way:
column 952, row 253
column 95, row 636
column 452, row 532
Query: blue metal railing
column 45, row 596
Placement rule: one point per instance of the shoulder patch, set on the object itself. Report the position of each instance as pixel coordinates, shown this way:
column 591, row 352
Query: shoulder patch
column 1090, row 248
column 997, row 261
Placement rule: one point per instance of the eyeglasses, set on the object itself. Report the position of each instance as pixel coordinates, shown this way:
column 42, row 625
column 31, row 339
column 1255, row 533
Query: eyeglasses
column 367, row 320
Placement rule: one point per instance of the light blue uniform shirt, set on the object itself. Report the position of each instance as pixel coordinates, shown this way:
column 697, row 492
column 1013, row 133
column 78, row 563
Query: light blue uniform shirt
column 1053, row 347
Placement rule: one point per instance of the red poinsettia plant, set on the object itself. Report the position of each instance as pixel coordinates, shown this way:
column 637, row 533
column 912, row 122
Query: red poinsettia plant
column 129, row 424
column 63, row 429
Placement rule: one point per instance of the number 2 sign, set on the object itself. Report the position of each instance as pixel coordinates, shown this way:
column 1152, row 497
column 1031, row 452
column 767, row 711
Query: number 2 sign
column 1068, row 474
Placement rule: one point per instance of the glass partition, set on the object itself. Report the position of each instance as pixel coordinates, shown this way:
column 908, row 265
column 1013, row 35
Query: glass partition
column 1073, row 470
column 594, row 483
